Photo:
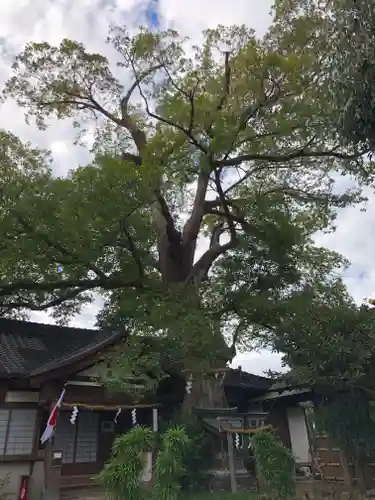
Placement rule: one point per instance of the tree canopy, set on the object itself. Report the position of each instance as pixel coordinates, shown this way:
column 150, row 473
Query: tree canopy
column 346, row 32
column 212, row 168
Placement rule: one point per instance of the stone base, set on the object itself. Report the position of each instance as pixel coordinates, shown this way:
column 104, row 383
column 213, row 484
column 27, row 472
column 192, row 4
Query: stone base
column 220, row 481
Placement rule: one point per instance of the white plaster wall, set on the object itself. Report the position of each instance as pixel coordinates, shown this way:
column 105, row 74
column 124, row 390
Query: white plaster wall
column 22, row 397
column 298, row 434
column 16, row 471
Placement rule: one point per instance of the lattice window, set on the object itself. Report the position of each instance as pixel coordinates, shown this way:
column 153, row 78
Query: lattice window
column 17, row 430
column 87, row 437
column 77, row 442
column 65, row 437
column 4, row 419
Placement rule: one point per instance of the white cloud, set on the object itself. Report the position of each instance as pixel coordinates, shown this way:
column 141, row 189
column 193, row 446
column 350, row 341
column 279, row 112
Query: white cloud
column 88, row 22
column 194, row 16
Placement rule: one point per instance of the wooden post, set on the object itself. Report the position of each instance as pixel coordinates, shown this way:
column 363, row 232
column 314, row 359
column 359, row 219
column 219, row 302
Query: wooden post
column 155, row 428
column 346, row 471
column 53, row 464
column 155, row 424
column 232, row 465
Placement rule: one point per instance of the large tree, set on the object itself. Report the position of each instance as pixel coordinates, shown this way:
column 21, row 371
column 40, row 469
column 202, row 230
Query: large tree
column 212, row 169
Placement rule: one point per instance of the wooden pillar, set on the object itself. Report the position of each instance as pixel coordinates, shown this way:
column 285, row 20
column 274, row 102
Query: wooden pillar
column 53, row 465
column 155, row 428
column 232, row 464
column 155, row 423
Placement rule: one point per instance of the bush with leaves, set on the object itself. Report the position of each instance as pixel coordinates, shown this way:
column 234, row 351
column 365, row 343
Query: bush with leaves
column 121, row 475
column 274, row 463
column 169, row 468
column 197, row 454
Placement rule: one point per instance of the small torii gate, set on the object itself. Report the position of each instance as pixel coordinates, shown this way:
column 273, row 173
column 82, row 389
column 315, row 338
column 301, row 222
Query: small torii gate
column 229, row 431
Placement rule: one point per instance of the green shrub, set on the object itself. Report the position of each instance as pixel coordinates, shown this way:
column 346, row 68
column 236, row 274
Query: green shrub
column 169, row 468
column 197, row 455
column 121, row 476
column 274, row 463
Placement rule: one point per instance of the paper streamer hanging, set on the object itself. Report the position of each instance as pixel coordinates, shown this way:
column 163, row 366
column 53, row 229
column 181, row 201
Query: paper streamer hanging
column 117, row 415
column 237, row 440
column 134, row 416
column 189, row 384
column 73, row 417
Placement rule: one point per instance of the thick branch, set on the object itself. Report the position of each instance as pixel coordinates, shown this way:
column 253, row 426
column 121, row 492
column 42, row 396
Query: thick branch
column 192, row 225
column 225, row 92
column 282, row 158
column 227, row 75
column 224, row 205
column 84, row 284
column 133, row 250
column 23, row 304
column 236, row 334
column 217, row 231
column 203, row 265
column 138, row 135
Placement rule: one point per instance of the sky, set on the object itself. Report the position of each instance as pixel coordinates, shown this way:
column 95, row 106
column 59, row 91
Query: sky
column 88, row 21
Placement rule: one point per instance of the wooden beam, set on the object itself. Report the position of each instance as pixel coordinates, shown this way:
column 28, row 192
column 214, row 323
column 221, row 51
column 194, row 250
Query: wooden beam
column 107, row 407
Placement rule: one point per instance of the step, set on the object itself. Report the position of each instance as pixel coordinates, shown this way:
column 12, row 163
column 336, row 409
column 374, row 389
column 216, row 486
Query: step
column 85, row 493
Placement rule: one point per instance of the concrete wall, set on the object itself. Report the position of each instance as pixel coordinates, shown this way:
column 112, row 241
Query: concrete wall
column 299, row 437
column 16, row 470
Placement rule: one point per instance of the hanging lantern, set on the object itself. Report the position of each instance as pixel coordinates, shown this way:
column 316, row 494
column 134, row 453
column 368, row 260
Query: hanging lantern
column 73, row 417
column 134, row 416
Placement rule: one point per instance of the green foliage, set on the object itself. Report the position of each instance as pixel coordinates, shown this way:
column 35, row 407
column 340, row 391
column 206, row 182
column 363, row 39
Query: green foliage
column 349, row 419
column 169, row 467
column 330, row 344
column 346, row 29
column 197, row 455
column 120, row 477
column 274, row 463
column 133, row 367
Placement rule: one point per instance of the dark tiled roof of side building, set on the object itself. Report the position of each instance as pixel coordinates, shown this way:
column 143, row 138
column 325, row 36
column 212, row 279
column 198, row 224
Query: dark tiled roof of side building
column 239, row 378
column 28, row 349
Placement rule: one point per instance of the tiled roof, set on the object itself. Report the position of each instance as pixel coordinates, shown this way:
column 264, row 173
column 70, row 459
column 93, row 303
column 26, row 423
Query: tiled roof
column 239, row 378
column 28, row 349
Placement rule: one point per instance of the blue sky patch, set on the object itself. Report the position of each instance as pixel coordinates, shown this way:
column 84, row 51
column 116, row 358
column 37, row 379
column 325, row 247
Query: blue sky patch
column 152, row 14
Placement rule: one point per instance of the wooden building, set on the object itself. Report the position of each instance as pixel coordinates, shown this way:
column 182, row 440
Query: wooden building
column 38, row 360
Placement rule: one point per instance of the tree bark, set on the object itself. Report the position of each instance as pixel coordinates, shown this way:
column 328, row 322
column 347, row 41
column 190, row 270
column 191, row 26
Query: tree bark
column 207, row 391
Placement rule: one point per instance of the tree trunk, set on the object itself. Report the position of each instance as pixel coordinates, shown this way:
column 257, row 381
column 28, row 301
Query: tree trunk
column 205, row 350
column 206, row 391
